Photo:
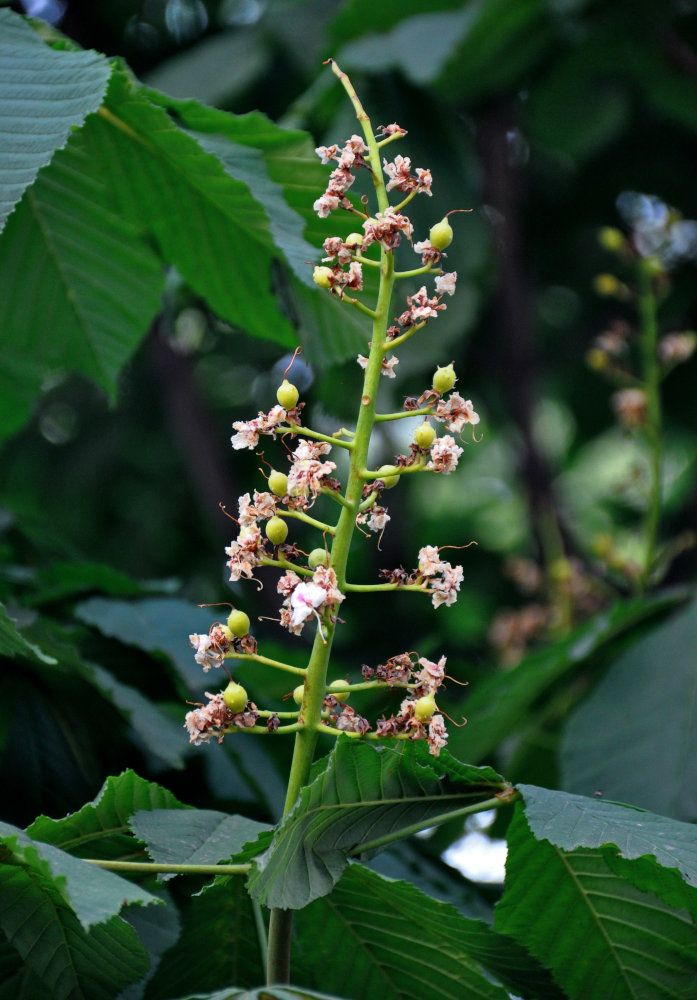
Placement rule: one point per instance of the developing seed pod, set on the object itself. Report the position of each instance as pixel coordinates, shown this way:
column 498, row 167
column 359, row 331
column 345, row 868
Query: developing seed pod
column 235, row 697
column 278, row 483
column 441, row 235
column 339, row 695
column 238, row 623
column 298, row 693
column 389, row 475
column 354, row 240
column 276, row 530
column 287, row 394
column 322, row 276
column 444, row 379
column 424, row 435
column 425, row 707
column 318, row 557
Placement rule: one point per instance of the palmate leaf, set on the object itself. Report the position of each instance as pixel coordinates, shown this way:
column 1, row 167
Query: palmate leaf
column 376, row 937
column 93, row 894
column 100, row 829
column 607, row 743
column 71, row 962
column 78, row 285
column 13, row 643
column 360, row 795
column 502, row 704
column 194, row 836
column 43, row 96
column 571, row 821
column 218, row 944
column 600, row 935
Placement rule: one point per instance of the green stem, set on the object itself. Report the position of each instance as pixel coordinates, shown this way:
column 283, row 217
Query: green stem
column 281, row 921
column 151, row 867
column 425, row 411
column 406, row 831
column 276, row 664
column 306, row 519
column 316, row 435
column 647, row 308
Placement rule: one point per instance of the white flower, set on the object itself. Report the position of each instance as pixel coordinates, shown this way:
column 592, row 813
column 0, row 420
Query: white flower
column 445, row 283
column 304, row 600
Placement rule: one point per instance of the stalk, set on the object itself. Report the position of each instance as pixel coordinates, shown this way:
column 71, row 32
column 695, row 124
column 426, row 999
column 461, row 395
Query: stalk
column 648, row 332
column 281, row 921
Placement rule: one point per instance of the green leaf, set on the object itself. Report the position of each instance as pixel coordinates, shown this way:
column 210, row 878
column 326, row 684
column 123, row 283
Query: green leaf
column 100, row 829
column 218, row 945
column 284, row 174
column 261, row 993
column 13, row 643
column 571, row 821
column 194, row 837
column 376, row 937
column 156, row 731
column 93, row 894
column 607, row 743
column 78, row 286
column 70, row 961
column 562, row 905
column 157, row 625
column 157, row 930
column 362, row 794
column 467, row 53
column 501, row 705
column 44, row 94
column 204, row 222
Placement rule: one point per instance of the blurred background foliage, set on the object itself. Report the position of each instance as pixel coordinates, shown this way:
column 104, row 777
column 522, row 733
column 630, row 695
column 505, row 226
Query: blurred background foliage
column 536, row 115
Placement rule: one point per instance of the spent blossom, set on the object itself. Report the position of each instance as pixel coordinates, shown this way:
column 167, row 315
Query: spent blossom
column 307, row 472
column 444, row 455
column 248, row 431
column 387, row 365
column 456, row 412
column 445, row 283
column 421, row 308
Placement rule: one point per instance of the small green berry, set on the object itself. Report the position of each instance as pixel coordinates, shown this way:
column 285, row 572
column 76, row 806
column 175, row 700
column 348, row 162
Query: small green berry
column 322, row 276
column 389, row 475
column 318, row 557
column 606, row 285
column 425, row 707
column 287, row 394
column 424, row 435
column 441, row 235
column 276, row 530
column 238, row 623
column 278, row 483
column 354, row 240
column 339, row 695
column 298, row 693
column 235, row 697
column 444, row 379
column 611, row 239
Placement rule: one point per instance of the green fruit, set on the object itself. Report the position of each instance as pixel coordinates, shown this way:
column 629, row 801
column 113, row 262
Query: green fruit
column 287, row 394
column 441, row 235
column 425, row 708
column 444, row 379
column 277, row 530
column 322, row 276
column 238, row 623
column 354, row 240
column 278, row 483
column 424, row 435
column 298, row 693
column 611, row 239
column 318, row 557
column 339, row 695
column 235, row 697
column 389, row 475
